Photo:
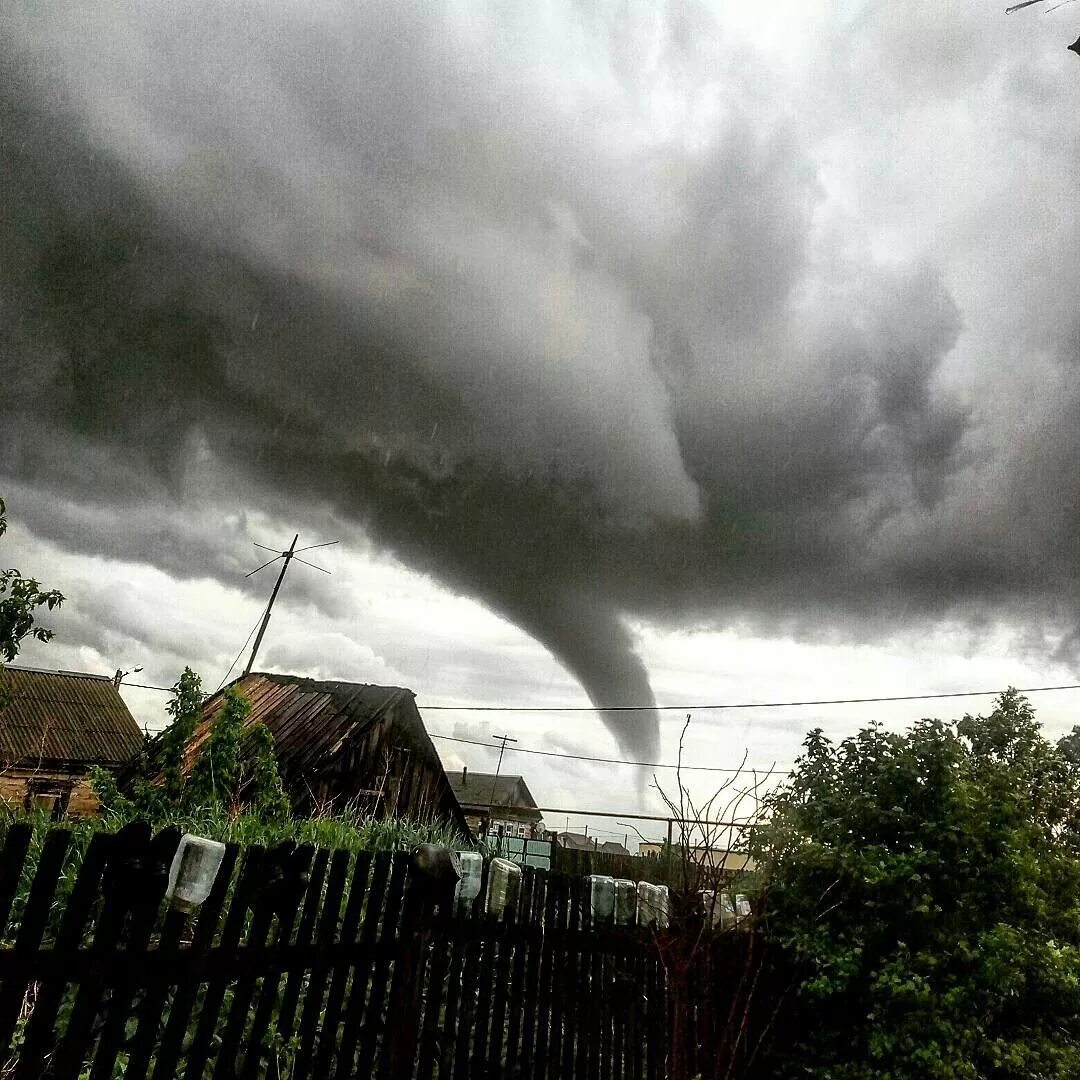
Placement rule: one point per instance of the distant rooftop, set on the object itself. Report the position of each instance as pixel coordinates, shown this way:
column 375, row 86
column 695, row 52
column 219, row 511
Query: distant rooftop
column 64, row 717
column 581, row 842
column 488, row 791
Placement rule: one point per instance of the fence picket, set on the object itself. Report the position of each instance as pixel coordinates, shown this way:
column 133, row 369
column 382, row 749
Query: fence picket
column 153, row 1005
column 512, row 983
column 635, row 1042
column 530, row 1006
column 12, row 858
column 268, row 993
column 542, row 1027
column 373, row 1025
column 454, row 980
column 295, row 978
column 492, row 946
column 431, row 1032
column 28, row 939
column 40, row 1033
column 316, row 982
column 264, row 911
column 362, row 971
column 407, row 988
column 466, row 1009
column 217, row 983
column 168, row 1051
column 350, row 924
column 600, row 986
column 147, row 884
column 571, row 963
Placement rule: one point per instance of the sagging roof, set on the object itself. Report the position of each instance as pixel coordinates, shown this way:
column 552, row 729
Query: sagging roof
column 58, row 718
column 486, row 790
column 313, row 721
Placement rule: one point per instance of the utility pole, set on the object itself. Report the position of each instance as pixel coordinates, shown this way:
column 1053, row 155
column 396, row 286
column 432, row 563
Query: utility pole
column 287, row 557
column 504, row 739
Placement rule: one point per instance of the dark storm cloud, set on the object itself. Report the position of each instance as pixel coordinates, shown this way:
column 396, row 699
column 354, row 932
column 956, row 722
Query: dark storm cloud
column 392, row 265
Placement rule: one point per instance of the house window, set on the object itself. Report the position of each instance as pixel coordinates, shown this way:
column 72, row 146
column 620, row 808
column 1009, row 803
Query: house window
column 48, row 796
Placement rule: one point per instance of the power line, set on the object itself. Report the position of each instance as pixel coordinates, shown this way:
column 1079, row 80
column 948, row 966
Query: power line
column 613, row 761
column 730, row 705
column 703, row 708
column 225, row 679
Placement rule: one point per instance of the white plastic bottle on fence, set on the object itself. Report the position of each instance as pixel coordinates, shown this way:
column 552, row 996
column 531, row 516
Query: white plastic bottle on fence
column 625, row 902
column 193, row 871
column 652, row 905
column 601, row 898
column 504, row 880
column 468, row 887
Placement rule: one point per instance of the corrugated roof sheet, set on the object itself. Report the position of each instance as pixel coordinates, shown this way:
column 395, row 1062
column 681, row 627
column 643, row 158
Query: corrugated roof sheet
column 311, row 722
column 62, row 717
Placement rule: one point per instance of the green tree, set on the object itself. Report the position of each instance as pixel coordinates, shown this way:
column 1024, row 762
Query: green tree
column 184, row 705
column 215, row 776
column 263, row 788
column 234, row 766
column 21, row 599
column 925, row 886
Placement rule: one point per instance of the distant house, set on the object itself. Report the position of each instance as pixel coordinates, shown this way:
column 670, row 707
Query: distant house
column 54, row 727
column 494, row 804
column 574, row 841
column 712, row 858
column 346, row 745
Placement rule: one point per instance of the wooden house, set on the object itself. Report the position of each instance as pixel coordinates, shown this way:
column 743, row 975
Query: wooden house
column 346, row 745
column 54, row 727
column 497, row 804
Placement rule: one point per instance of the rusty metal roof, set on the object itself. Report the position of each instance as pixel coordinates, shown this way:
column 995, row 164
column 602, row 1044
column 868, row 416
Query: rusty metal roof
column 312, row 721
column 64, row 717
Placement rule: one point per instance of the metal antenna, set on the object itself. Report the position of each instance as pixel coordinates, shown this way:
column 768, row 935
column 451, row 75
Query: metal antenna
column 287, row 557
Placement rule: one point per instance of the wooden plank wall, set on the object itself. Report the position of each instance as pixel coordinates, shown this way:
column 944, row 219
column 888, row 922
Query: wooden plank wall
column 307, row 963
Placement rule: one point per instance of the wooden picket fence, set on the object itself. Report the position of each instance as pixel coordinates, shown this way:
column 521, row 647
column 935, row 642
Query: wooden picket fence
column 315, row 963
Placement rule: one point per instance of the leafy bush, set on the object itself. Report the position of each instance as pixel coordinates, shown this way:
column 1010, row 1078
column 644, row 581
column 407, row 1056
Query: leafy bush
column 234, row 767
column 927, row 888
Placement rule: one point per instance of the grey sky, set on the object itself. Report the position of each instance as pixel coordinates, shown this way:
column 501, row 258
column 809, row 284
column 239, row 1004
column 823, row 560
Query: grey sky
column 605, row 316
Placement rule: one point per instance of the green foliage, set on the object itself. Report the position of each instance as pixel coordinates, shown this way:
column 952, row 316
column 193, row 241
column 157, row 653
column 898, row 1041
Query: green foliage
column 268, row 798
column 234, row 766
column 20, row 601
column 215, row 776
column 926, row 886
column 184, row 706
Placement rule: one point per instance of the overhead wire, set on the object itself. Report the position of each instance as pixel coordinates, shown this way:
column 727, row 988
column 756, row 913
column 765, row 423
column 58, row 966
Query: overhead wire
column 262, row 615
column 773, row 770
column 700, row 708
column 615, row 761
column 734, row 705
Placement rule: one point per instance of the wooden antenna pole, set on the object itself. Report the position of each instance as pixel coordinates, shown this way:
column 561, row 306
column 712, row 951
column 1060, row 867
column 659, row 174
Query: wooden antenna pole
column 287, row 556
